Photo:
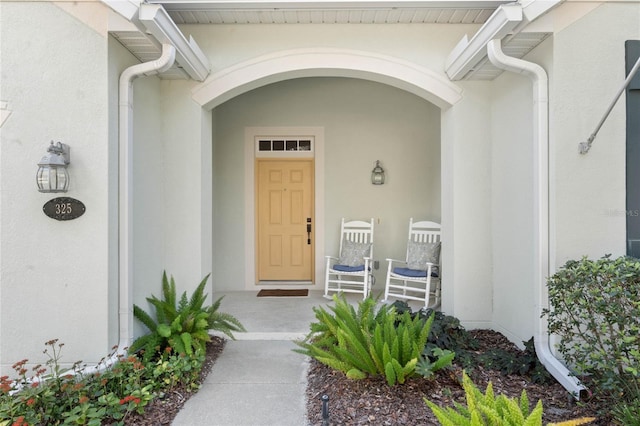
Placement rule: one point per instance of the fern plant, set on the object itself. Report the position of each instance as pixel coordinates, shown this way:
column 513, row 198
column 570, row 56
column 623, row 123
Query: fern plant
column 182, row 324
column 489, row 409
column 365, row 342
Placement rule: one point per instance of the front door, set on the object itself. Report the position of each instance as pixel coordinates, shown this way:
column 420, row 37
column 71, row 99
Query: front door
column 285, row 224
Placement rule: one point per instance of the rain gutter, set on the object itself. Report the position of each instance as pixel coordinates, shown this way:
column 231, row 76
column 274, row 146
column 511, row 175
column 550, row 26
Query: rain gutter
column 541, row 209
column 468, row 54
column 188, row 54
column 153, row 21
column 506, row 20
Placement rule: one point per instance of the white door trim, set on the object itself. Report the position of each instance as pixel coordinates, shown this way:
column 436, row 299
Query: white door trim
column 250, row 133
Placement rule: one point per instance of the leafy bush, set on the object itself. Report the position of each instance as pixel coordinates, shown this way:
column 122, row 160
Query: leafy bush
column 627, row 413
column 182, row 324
column 595, row 311
column 489, row 409
column 74, row 397
column 448, row 334
column 368, row 343
column 523, row 363
column 445, row 333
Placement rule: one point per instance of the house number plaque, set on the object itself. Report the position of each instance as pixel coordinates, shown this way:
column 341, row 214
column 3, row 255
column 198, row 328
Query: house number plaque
column 64, row 208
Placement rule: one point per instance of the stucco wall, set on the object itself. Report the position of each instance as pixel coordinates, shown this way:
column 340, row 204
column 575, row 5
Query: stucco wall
column 186, row 140
column 588, row 201
column 53, row 275
column 363, row 121
column 466, row 207
column 427, row 45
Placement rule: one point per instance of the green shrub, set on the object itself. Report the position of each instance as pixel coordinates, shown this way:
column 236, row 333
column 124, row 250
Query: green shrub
column 448, row 334
column 489, row 409
column 627, row 413
column 522, row 363
column 367, row 343
column 595, row 311
column 445, row 333
column 75, row 397
column 182, row 324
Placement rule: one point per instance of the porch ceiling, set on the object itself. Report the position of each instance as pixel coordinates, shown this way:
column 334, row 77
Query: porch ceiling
column 225, row 12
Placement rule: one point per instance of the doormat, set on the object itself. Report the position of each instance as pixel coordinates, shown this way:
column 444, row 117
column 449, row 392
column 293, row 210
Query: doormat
column 283, row 293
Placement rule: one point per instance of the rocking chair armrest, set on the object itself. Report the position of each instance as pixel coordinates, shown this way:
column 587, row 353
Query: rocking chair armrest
column 331, row 257
column 396, row 260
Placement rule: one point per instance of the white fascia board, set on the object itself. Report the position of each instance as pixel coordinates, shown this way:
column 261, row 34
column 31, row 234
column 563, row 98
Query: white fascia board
column 126, row 8
column 188, row 54
column 467, row 54
column 324, row 4
column 533, row 9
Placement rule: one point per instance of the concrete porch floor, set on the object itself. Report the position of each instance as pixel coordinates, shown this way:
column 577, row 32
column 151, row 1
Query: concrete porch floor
column 278, row 318
column 274, row 318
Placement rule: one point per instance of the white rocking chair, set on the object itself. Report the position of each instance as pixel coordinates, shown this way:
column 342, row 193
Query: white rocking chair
column 418, row 276
column 350, row 272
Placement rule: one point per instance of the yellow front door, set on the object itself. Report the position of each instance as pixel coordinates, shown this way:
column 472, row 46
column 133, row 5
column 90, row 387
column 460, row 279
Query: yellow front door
column 285, row 223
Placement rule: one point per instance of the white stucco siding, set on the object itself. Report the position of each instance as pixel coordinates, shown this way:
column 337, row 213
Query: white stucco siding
column 186, row 141
column 588, row 202
column 427, row 45
column 466, row 187
column 363, row 122
column 53, row 274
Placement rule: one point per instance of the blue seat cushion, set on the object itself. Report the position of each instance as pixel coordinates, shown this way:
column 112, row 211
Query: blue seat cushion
column 415, row 273
column 346, row 268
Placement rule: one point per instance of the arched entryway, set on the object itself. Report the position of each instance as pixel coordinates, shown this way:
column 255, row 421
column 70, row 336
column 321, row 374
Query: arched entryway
column 225, row 84
column 299, row 64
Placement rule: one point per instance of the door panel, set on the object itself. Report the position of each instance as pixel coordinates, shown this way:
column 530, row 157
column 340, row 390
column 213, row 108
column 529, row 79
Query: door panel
column 284, row 201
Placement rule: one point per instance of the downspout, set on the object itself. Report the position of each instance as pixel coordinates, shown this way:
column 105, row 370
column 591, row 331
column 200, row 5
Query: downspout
column 125, row 185
column 541, row 207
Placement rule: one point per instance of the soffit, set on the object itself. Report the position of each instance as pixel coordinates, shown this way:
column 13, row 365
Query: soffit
column 224, row 12
column 333, row 16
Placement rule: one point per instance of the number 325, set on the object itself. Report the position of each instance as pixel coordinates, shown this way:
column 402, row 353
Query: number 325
column 63, row 208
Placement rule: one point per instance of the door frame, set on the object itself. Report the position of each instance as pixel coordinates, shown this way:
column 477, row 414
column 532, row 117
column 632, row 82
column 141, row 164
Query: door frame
column 250, row 282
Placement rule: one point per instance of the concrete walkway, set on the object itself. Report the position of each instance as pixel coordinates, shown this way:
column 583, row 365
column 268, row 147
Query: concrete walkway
column 253, row 383
column 258, row 380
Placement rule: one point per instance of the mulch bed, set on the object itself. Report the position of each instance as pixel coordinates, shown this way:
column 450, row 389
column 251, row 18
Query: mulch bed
column 373, row 402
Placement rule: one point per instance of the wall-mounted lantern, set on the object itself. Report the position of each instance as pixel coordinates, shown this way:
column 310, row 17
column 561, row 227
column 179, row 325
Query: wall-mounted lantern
column 377, row 174
column 52, row 175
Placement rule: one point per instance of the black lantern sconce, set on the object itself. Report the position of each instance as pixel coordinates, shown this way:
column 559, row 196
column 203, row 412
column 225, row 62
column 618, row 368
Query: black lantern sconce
column 52, row 175
column 377, row 174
